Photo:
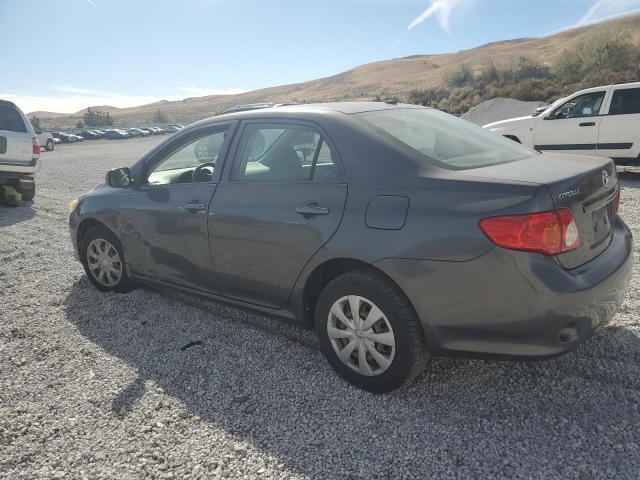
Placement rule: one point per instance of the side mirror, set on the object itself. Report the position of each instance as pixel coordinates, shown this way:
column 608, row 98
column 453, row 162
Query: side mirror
column 119, row 177
column 539, row 111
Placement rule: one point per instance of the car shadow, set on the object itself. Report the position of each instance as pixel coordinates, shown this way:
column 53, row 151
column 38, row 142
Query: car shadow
column 266, row 382
column 10, row 215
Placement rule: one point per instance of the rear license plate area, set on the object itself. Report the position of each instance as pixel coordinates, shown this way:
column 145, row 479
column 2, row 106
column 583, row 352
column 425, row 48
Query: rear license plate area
column 601, row 222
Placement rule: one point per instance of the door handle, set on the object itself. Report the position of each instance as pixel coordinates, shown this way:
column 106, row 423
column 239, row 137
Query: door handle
column 195, row 207
column 312, row 210
column 588, row 124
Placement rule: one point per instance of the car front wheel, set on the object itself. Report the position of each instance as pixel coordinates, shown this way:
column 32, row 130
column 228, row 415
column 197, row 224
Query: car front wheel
column 50, row 146
column 103, row 260
column 369, row 331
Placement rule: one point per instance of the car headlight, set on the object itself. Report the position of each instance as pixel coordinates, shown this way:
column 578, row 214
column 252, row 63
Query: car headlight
column 73, row 204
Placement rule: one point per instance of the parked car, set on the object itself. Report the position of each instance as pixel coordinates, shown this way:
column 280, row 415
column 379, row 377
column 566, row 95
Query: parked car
column 174, row 128
column 19, row 151
column 138, row 132
column 116, row 134
column 45, row 139
column 601, row 121
column 90, row 135
column 451, row 240
column 79, row 138
column 65, row 137
column 56, row 140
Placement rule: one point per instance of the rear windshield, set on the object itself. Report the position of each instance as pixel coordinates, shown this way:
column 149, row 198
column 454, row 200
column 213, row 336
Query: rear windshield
column 450, row 141
column 10, row 119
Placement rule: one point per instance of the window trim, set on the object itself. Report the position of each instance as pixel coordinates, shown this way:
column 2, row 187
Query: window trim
column 234, row 153
column 173, row 145
column 551, row 115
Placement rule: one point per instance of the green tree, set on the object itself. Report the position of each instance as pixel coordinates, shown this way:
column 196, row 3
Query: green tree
column 159, row 117
column 97, row 118
column 35, row 122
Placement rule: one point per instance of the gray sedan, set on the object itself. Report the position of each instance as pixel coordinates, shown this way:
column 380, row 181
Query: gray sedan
column 400, row 232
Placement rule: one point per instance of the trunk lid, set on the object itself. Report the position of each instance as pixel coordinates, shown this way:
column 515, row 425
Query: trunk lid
column 584, row 184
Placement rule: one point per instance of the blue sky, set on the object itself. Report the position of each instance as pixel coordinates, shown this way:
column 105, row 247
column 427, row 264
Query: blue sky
column 64, row 55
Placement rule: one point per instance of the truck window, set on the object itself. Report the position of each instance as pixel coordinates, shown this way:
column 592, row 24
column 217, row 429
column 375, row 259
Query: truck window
column 10, row 119
column 625, row 101
column 587, row 105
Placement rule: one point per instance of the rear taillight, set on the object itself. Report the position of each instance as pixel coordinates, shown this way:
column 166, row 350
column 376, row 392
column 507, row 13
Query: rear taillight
column 36, row 146
column 549, row 233
column 616, row 205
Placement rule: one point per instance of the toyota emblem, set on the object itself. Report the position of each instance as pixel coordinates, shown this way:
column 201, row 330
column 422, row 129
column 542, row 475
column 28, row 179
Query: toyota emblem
column 605, row 178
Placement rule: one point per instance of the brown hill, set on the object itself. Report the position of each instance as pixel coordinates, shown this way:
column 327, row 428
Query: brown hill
column 390, row 77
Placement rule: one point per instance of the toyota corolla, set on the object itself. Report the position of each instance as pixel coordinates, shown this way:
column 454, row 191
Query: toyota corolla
column 400, row 232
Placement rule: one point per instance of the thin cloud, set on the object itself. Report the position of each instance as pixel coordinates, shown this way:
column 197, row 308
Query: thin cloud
column 81, row 91
column 70, row 99
column 91, row 3
column 605, row 9
column 200, row 92
column 441, row 10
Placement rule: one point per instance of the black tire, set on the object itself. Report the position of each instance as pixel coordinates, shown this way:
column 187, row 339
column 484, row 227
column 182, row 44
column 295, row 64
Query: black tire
column 98, row 232
column 411, row 355
column 26, row 187
column 50, row 146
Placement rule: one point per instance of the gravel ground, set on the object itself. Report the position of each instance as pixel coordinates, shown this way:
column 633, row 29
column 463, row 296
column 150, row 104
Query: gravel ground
column 99, row 385
column 498, row 109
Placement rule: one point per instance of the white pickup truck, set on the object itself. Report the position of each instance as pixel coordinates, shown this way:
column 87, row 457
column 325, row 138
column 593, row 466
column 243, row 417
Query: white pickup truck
column 45, row 139
column 601, row 121
column 19, row 151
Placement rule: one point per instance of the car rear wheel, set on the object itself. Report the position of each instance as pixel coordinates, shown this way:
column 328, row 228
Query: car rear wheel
column 369, row 332
column 50, row 146
column 103, row 261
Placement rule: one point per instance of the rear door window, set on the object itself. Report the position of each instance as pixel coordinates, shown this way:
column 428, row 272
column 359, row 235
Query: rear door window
column 279, row 153
column 625, row 101
column 10, row 119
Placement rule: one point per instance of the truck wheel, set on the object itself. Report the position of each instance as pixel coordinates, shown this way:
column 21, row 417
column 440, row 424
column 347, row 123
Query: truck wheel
column 50, row 146
column 26, row 187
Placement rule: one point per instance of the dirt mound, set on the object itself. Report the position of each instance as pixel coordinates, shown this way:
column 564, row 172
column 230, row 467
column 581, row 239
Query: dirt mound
column 500, row 109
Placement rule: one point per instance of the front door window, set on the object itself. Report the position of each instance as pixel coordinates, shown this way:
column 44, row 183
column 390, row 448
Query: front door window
column 587, row 105
column 192, row 163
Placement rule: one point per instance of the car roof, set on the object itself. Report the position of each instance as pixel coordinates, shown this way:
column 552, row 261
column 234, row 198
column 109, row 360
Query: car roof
column 309, row 110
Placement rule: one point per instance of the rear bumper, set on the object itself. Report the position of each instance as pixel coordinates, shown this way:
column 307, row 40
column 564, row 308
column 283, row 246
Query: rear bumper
column 27, row 168
column 518, row 305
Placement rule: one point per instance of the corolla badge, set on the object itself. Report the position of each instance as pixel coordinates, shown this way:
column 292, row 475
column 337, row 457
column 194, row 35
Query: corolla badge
column 570, row 193
column 605, row 178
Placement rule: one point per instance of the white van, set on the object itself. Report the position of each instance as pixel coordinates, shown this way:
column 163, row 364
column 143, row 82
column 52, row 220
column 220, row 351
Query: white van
column 602, row 121
column 19, row 150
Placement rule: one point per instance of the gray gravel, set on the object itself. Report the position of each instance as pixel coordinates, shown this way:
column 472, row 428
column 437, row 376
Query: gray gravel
column 498, row 109
column 97, row 386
